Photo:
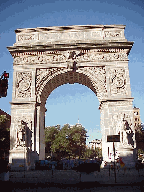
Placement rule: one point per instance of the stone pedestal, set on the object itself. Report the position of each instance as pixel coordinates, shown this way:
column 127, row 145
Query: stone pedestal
column 22, row 159
column 127, row 155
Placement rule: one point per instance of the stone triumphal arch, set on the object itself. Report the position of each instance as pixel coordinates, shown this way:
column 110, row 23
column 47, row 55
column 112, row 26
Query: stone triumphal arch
column 47, row 57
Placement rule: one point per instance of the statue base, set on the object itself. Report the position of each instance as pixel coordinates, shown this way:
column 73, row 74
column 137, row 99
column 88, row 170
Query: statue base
column 21, row 159
column 127, row 155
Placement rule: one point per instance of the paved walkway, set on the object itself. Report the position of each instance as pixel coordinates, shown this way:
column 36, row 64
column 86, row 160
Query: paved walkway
column 72, row 177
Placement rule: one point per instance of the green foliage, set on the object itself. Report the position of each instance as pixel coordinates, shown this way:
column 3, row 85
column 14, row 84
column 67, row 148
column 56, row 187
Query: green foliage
column 4, row 135
column 50, row 135
column 93, row 153
column 3, row 119
column 3, row 130
column 140, row 151
column 139, row 137
column 62, row 142
column 67, row 141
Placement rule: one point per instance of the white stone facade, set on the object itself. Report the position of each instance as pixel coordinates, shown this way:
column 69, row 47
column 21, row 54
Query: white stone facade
column 43, row 60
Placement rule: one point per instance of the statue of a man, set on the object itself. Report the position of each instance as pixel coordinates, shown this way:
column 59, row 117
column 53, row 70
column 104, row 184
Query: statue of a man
column 20, row 135
column 128, row 134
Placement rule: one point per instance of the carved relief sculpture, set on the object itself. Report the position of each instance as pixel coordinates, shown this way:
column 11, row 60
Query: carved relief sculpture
column 65, row 56
column 23, row 132
column 121, row 124
column 118, row 81
column 97, row 76
column 23, row 84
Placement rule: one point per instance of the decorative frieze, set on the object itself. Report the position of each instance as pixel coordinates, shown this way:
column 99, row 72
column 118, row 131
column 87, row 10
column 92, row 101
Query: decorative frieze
column 20, row 54
column 23, row 84
column 65, row 56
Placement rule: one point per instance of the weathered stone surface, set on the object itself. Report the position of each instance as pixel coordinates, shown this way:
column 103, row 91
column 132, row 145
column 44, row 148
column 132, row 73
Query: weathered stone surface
column 44, row 59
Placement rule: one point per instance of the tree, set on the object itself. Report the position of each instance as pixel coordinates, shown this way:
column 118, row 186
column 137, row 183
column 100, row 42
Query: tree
column 50, row 135
column 93, row 153
column 61, row 143
column 78, row 140
column 139, row 137
column 4, row 135
column 70, row 141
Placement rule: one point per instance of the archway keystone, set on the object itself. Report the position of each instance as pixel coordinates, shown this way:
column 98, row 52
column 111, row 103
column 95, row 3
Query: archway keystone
column 44, row 58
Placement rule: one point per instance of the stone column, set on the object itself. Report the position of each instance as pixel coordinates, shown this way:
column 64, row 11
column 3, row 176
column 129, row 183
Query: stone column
column 40, row 133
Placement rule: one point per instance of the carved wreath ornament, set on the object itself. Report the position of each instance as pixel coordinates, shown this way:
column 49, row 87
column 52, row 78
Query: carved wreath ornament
column 23, row 85
column 118, row 81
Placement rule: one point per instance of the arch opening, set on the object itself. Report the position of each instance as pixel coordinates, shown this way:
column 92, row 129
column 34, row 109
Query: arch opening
column 68, row 102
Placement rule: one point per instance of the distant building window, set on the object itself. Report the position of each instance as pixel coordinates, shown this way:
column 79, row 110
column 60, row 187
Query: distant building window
column 135, row 124
column 135, row 119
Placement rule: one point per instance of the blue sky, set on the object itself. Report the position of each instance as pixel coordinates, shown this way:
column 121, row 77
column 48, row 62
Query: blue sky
column 68, row 102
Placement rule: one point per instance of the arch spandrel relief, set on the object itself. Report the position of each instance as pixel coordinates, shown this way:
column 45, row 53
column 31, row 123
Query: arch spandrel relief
column 92, row 77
